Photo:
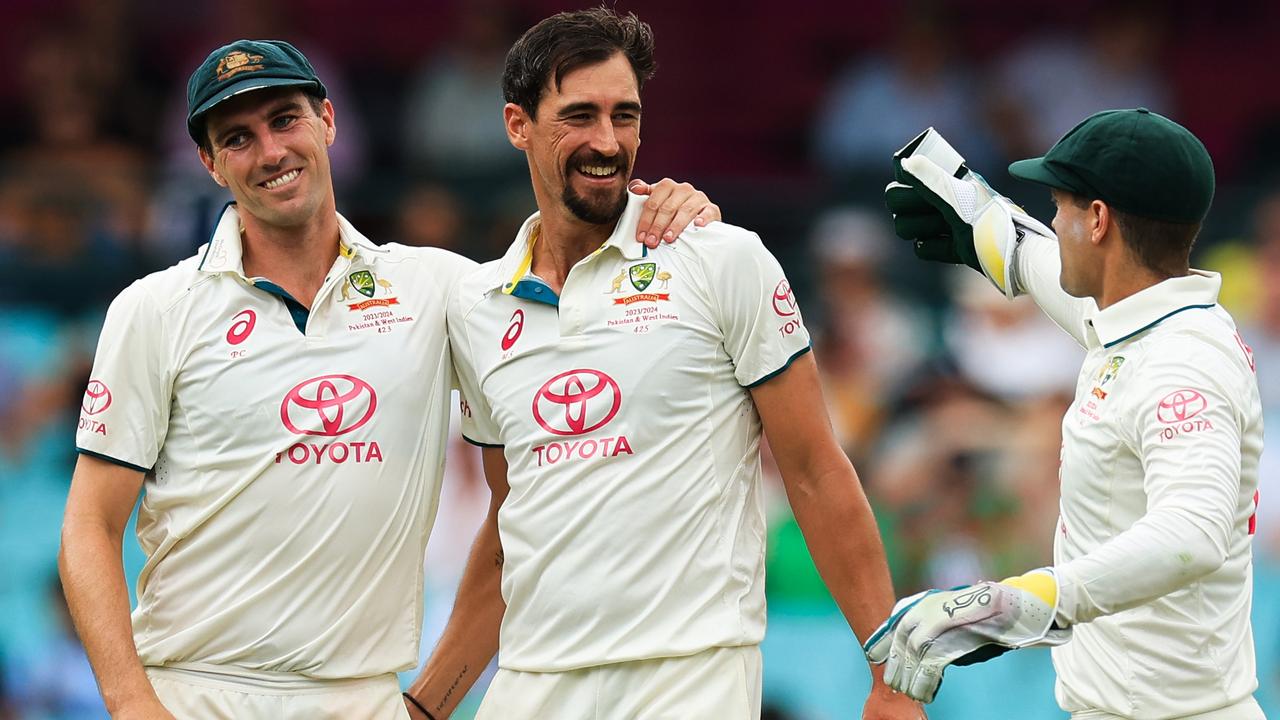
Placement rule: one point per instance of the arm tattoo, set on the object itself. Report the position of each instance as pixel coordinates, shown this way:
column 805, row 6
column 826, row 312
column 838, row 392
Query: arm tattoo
column 449, row 693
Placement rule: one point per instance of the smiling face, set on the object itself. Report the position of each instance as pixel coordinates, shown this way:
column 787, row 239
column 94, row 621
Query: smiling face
column 582, row 144
column 271, row 149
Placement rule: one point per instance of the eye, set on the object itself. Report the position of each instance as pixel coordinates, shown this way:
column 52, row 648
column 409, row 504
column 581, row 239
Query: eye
column 236, row 140
column 280, row 122
column 626, row 117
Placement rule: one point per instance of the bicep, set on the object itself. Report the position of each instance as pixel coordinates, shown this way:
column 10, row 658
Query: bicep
column 102, row 493
column 495, row 473
column 794, row 414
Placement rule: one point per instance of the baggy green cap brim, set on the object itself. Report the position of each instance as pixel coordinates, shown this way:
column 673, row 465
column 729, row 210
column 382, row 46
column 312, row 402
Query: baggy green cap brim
column 248, row 85
column 1036, row 170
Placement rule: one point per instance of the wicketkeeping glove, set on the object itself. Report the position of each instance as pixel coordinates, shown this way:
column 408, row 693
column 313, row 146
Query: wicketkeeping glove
column 936, row 628
column 953, row 215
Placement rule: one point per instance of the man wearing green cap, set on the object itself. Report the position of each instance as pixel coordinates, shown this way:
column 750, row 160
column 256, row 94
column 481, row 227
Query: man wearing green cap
column 1147, row 603
column 282, row 397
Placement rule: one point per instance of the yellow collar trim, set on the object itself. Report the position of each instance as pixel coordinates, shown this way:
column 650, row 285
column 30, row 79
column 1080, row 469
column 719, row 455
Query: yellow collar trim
column 525, row 264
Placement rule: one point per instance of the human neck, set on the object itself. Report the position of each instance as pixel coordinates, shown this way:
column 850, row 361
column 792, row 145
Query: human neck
column 295, row 258
column 1128, row 278
column 563, row 240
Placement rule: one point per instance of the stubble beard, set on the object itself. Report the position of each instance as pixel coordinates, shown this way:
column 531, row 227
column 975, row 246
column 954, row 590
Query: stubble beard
column 603, row 211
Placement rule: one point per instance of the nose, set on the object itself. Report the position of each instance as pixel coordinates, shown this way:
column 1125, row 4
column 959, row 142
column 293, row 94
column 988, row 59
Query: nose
column 272, row 151
column 603, row 139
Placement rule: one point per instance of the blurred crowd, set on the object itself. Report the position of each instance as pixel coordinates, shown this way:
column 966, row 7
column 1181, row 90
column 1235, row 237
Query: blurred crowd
column 947, row 398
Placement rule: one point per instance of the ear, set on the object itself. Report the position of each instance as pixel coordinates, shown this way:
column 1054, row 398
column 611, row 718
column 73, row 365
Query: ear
column 519, row 125
column 1100, row 221
column 326, row 116
column 207, row 160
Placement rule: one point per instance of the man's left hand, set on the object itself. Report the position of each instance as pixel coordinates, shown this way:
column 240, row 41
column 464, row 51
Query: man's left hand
column 934, row 629
column 671, row 207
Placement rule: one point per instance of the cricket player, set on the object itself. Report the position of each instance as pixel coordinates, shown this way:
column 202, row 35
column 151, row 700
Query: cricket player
column 619, row 394
column 282, row 396
column 1148, row 600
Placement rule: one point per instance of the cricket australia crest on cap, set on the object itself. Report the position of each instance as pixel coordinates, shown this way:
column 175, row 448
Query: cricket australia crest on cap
column 236, row 62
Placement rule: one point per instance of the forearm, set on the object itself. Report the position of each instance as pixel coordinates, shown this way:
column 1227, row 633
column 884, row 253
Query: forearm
column 93, row 580
column 1161, row 553
column 840, row 531
column 470, row 638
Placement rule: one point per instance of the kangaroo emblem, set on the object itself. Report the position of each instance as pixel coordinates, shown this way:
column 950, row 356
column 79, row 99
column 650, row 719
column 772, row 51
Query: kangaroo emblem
column 617, row 283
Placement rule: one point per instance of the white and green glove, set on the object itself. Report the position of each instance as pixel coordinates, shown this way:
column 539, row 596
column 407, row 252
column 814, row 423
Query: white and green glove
column 936, row 628
column 952, row 215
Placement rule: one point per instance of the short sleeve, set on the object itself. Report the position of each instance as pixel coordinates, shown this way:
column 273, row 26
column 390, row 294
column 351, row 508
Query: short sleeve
column 478, row 427
column 759, row 316
column 124, row 414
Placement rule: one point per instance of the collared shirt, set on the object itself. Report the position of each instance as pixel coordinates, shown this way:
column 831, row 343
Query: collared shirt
column 1159, row 482
column 293, row 456
column 634, row 527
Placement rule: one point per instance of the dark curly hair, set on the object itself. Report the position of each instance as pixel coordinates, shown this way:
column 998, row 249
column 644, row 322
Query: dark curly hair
column 569, row 40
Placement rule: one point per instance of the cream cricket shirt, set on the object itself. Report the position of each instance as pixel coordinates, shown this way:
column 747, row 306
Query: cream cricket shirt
column 1159, row 479
column 297, row 457
column 634, row 527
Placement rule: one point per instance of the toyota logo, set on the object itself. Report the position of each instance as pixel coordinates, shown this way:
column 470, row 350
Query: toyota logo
column 1180, row 405
column 328, row 405
column 576, row 402
column 784, row 301
column 97, row 397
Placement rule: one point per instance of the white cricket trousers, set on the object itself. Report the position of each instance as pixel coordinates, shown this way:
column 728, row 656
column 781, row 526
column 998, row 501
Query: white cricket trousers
column 211, row 695
column 1247, row 709
column 717, row 684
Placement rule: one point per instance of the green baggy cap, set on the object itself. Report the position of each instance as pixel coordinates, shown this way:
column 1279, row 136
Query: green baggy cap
column 1136, row 161
column 242, row 66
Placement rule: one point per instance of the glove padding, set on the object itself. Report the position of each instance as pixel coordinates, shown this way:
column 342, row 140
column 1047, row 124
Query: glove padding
column 936, row 628
column 953, row 215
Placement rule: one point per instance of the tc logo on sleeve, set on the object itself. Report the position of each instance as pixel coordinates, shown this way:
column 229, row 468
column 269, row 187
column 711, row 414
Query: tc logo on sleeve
column 329, row 406
column 786, row 307
column 97, row 398
column 784, row 300
column 1179, row 410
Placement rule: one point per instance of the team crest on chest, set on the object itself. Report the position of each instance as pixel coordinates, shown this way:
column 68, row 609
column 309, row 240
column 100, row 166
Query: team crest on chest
column 640, row 277
column 1106, row 374
column 369, row 285
column 376, row 312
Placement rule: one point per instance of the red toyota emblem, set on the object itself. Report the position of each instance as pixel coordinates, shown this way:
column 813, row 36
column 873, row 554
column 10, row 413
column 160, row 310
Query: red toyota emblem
column 1180, row 405
column 513, row 332
column 241, row 325
column 576, row 402
column 97, row 397
column 784, row 301
column 328, row 405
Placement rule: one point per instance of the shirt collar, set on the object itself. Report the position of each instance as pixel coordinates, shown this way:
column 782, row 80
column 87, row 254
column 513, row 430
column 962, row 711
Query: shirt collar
column 225, row 251
column 517, row 261
column 1148, row 307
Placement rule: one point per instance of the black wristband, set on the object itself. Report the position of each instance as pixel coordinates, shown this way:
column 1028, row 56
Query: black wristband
column 418, row 705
